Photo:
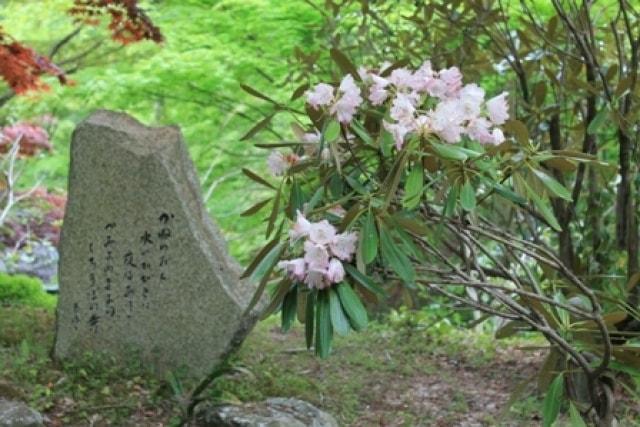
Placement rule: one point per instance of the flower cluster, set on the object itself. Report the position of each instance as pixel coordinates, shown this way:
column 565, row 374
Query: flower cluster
column 422, row 102
column 31, row 137
column 324, row 251
column 279, row 163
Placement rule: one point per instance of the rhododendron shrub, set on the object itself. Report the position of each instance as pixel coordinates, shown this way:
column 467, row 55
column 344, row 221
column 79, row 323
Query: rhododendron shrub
column 391, row 163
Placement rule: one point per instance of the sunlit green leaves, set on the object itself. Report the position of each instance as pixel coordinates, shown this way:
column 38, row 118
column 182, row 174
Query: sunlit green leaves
column 552, row 401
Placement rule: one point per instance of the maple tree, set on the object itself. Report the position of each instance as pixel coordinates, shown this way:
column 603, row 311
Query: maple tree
column 22, row 67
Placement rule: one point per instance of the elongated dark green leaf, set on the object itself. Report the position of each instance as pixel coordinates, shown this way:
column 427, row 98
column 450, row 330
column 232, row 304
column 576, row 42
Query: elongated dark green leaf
column 413, row 188
column 449, row 152
column 339, row 320
column 274, row 212
column 352, row 307
column 519, row 130
column 324, row 330
column 552, row 401
column 361, row 132
column 344, row 63
column 395, row 258
column 364, row 281
column 332, row 131
column 468, row 197
column 552, row 185
column 257, row 94
column 450, row 202
column 297, row 198
column 262, row 124
column 309, row 318
column 255, row 208
column 262, row 272
column 316, row 198
column 508, row 194
column 277, row 297
column 300, row 90
column 289, row 308
column 259, row 257
column 598, row 121
column 575, row 417
column 257, row 178
column 369, row 239
column 544, row 209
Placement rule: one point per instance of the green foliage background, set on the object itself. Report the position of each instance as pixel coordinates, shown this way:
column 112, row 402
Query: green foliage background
column 191, row 80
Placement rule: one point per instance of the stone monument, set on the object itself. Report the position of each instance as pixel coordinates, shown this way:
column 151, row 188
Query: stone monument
column 143, row 269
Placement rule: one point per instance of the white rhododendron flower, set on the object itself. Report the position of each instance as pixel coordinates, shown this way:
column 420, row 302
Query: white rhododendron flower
column 321, row 95
column 471, row 98
column 478, row 129
column 378, row 92
column 498, row 109
column 311, row 137
column 446, row 120
column 399, row 131
column 335, row 271
column 324, row 248
column 279, row 163
column 345, row 107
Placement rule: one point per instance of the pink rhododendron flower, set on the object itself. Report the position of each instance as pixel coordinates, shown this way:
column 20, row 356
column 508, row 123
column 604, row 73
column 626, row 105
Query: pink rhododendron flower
column 471, row 98
column 301, row 227
column 316, row 279
column 322, row 233
column 295, row 268
column 378, row 92
column 446, row 120
column 498, row 136
column 423, row 77
column 452, row 78
column 344, row 245
column 498, row 109
column 315, row 255
column 345, row 107
column 478, row 129
column 403, row 109
column 311, row 137
column 335, row 271
column 399, row 131
column 279, row 163
column 402, row 78
column 321, row 95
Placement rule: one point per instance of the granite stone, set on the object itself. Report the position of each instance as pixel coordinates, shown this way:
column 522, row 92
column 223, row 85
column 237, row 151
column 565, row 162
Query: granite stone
column 143, row 269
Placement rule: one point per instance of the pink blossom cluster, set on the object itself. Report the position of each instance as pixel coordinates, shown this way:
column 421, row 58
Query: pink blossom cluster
column 279, row 163
column 32, row 138
column 453, row 109
column 324, row 251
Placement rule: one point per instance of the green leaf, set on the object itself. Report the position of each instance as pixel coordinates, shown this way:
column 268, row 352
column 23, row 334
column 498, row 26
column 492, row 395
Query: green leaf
column 449, row 152
column 450, row 202
column 544, row 209
column 552, row 401
column 323, row 324
column 339, row 320
column 344, row 63
column 552, row 185
column 575, row 417
column 297, row 198
column 257, row 94
column 289, row 310
column 413, row 188
column 597, row 121
column 468, row 197
column 263, row 270
column 395, row 258
column 508, row 194
column 274, row 212
column 309, row 318
column 364, row 281
column 257, row 178
column 332, row 131
column 369, row 239
column 352, row 306
column 361, row 132
column 262, row 124
column 255, row 208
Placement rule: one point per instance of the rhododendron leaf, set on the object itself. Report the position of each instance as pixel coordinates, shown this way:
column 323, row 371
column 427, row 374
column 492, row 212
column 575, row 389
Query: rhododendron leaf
column 369, row 239
column 519, row 130
column 257, row 94
column 309, row 318
column 508, row 194
column 353, row 183
column 266, row 249
column 300, row 90
column 289, row 308
column 332, row 131
column 263, row 271
column 324, row 330
column 352, row 306
column 262, row 124
column 552, row 401
column 552, row 185
column 413, row 188
column 339, row 320
column 344, row 63
column 598, row 121
column 449, row 152
column 362, row 133
column 277, row 297
column 450, row 202
column 575, row 417
column 315, row 199
column 352, row 214
column 395, row 258
column 544, row 209
column 364, row 281
column 257, row 178
column 301, row 306
column 296, row 198
column 255, row 208
column 274, row 212
column 468, row 197
column 392, row 180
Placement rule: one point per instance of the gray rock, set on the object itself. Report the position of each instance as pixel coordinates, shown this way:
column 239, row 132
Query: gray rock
column 275, row 412
column 143, row 269
column 17, row 414
column 37, row 259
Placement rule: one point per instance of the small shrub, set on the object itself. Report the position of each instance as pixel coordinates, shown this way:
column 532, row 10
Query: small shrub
column 22, row 289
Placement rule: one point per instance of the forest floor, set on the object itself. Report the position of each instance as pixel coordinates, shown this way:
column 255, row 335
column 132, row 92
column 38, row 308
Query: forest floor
column 397, row 374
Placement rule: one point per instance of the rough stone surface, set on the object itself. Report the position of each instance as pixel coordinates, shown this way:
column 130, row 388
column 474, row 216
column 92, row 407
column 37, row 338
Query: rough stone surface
column 17, row 414
column 143, row 269
column 275, row 412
